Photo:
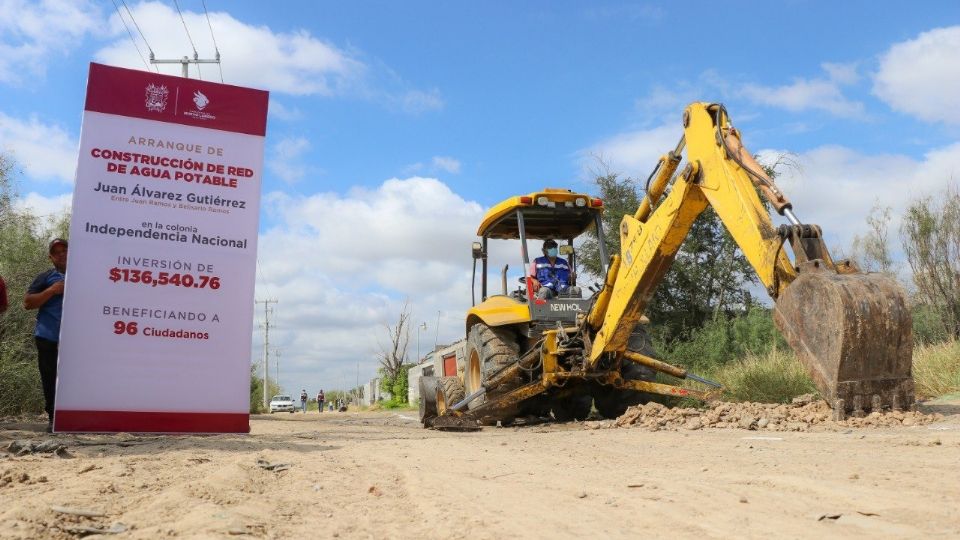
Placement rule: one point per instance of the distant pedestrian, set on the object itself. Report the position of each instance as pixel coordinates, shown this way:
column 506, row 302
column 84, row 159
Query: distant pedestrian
column 303, row 400
column 320, row 400
column 46, row 295
column 3, row 296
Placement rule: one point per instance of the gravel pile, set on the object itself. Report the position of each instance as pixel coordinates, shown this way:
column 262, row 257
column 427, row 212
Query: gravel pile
column 801, row 415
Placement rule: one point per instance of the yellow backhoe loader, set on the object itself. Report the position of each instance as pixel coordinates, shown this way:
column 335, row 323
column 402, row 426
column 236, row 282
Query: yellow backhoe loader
column 531, row 355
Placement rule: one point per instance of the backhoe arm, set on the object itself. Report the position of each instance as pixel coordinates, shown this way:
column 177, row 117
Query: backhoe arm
column 650, row 239
column 851, row 330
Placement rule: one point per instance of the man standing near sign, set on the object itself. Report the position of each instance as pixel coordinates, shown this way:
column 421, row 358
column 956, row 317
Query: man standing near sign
column 46, row 295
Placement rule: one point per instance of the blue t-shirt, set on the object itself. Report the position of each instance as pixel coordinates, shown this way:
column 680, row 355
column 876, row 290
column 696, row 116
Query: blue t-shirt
column 556, row 276
column 48, row 316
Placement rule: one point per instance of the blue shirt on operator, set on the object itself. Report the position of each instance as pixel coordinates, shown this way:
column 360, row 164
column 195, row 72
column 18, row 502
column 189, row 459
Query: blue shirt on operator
column 48, row 316
column 555, row 276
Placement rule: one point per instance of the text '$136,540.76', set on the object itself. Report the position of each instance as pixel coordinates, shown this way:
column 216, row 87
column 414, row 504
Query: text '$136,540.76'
column 160, row 279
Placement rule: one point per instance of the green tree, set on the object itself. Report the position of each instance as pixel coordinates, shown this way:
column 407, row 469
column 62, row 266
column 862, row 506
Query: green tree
column 23, row 255
column 709, row 277
column 930, row 232
column 256, row 390
column 871, row 251
column 393, row 355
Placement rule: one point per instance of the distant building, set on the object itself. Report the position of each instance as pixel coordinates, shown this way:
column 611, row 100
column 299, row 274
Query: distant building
column 372, row 393
column 423, row 369
column 444, row 361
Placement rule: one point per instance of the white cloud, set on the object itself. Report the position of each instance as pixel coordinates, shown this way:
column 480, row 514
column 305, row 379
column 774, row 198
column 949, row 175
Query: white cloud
column 45, row 152
column 845, row 74
column 42, row 206
column 823, row 94
column 295, row 62
column 32, row 32
column 289, row 62
column 835, row 187
column 921, row 77
column 342, row 266
column 418, row 101
column 633, row 153
column 283, row 112
column 285, row 159
column 446, row 163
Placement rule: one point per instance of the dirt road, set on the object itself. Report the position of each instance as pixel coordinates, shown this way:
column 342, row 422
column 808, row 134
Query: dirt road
column 379, row 475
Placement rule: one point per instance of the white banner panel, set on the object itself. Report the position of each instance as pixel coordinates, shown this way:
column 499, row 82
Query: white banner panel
column 158, row 307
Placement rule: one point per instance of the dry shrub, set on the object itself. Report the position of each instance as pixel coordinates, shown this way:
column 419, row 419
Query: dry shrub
column 936, row 369
column 773, row 377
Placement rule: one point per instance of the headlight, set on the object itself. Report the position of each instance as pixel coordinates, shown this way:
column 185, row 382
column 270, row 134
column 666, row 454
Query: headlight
column 581, row 202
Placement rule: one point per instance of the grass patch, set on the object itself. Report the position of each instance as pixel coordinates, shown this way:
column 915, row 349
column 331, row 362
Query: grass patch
column 390, row 405
column 936, row 369
column 773, row 377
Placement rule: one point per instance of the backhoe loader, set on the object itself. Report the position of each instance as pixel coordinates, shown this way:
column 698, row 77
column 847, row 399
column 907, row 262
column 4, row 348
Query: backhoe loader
column 527, row 355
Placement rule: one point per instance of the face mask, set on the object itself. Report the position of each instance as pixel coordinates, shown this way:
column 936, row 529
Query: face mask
column 551, row 252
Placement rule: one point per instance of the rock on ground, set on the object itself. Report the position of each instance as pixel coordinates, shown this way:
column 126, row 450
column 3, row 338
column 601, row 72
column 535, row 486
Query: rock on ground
column 801, row 415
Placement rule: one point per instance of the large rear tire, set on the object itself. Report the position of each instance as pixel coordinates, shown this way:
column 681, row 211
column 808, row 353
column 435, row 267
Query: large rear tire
column 569, row 408
column 428, row 400
column 449, row 393
column 490, row 349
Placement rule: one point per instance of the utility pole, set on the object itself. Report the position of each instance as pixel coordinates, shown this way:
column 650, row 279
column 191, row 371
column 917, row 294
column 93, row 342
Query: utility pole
column 267, row 310
column 276, row 363
column 423, row 326
column 436, row 335
column 185, row 62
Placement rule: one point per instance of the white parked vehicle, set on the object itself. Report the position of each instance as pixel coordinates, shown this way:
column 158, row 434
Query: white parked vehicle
column 282, row 403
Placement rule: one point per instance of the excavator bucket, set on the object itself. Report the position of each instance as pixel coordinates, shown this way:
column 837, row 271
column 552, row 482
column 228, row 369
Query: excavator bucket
column 853, row 332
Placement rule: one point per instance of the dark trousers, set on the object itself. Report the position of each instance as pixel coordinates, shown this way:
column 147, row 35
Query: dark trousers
column 47, row 363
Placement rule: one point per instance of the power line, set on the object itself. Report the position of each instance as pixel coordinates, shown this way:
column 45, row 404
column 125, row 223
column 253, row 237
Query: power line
column 189, row 38
column 143, row 37
column 214, row 38
column 129, row 33
column 263, row 278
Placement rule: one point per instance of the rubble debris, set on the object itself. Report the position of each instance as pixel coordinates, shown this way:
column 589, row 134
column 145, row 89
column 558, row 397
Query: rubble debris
column 275, row 467
column 83, row 530
column 801, row 415
column 23, row 448
column 77, row 511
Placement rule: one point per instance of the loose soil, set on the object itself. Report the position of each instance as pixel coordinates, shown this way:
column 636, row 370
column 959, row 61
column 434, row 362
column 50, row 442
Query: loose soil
column 379, row 475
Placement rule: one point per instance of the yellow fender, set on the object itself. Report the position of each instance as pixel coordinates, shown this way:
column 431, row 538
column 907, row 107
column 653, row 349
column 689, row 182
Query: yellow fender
column 498, row 310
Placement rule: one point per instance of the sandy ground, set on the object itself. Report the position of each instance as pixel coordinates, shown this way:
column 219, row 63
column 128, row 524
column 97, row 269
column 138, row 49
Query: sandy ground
column 379, row 475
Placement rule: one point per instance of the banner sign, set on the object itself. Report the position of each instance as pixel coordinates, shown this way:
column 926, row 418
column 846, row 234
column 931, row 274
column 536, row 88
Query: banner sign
column 158, row 307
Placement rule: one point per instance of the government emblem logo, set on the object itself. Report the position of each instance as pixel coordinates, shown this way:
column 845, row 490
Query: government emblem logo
column 156, row 97
column 200, row 100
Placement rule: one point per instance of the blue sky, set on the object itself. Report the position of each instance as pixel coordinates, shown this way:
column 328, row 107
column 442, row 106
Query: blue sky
column 395, row 124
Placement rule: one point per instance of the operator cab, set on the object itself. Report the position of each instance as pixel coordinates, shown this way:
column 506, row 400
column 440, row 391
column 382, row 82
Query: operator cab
column 557, row 214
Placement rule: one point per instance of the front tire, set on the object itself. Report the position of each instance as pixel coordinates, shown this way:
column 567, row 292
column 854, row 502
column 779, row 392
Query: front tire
column 428, row 400
column 489, row 350
column 449, row 393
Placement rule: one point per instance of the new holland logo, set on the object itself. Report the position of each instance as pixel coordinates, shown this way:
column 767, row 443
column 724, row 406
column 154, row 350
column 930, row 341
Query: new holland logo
column 564, row 307
column 156, row 97
column 200, row 101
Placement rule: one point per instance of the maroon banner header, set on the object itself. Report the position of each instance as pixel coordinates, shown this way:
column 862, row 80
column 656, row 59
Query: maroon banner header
column 151, row 96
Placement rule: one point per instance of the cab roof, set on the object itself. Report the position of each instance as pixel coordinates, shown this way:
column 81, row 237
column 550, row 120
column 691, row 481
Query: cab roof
column 550, row 213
